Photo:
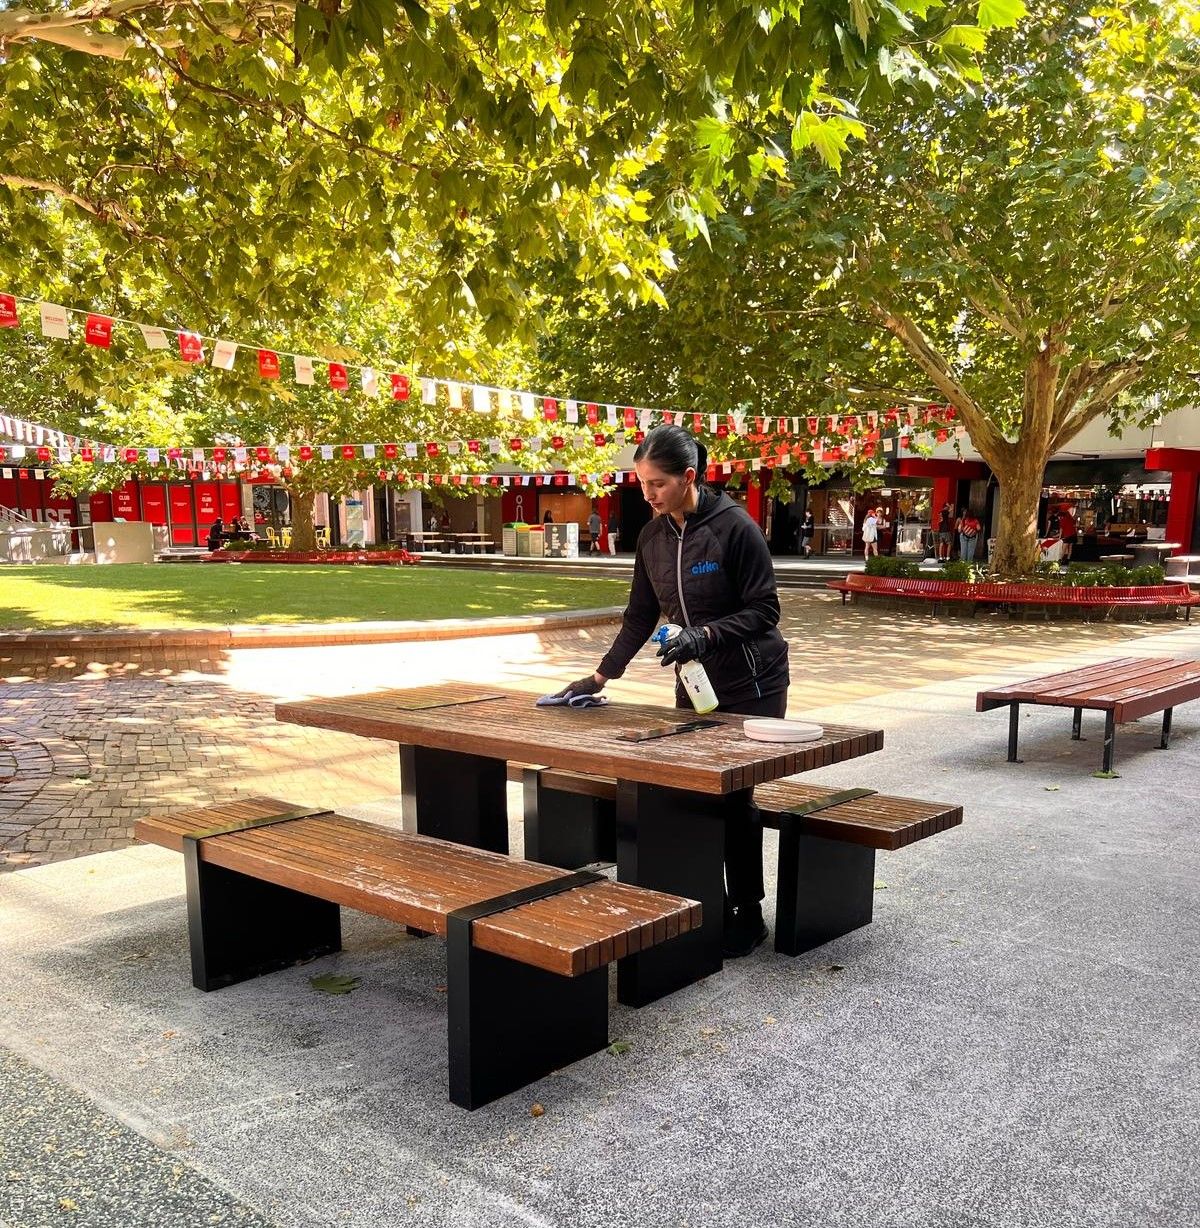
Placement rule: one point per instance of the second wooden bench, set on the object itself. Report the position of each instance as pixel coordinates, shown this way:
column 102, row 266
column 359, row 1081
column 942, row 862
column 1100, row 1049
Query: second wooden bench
column 827, row 842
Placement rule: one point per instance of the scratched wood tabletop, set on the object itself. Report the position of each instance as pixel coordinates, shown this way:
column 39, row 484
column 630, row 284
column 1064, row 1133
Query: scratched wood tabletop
column 501, row 724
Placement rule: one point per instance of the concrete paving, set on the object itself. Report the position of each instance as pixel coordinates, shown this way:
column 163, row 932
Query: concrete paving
column 1012, row 1042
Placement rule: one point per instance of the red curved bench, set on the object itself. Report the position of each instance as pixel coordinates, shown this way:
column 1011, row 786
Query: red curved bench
column 987, row 593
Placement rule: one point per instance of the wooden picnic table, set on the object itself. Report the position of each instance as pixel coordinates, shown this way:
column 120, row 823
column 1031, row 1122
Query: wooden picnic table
column 1123, row 689
column 456, row 741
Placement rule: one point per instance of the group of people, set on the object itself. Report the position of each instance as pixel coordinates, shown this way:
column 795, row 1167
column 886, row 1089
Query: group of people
column 965, row 526
column 874, row 523
column 239, row 530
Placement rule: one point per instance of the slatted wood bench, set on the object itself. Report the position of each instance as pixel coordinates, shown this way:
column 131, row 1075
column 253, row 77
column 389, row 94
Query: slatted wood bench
column 1123, row 689
column 827, row 842
column 528, row 947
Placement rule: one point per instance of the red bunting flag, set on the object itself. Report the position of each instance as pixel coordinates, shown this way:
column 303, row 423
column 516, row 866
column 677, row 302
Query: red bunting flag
column 599, row 440
column 558, row 443
column 262, row 455
column 593, row 414
column 637, row 438
column 697, row 423
column 347, row 451
column 401, row 387
column 268, row 364
column 473, row 445
column 306, row 453
column 8, row 311
column 515, row 445
column 191, row 347
column 722, row 431
column 219, row 454
column 550, row 408
column 629, row 417
column 98, row 331
column 390, row 451
column 339, row 378
column 130, row 454
column 87, row 455
column 43, row 454
column 431, row 449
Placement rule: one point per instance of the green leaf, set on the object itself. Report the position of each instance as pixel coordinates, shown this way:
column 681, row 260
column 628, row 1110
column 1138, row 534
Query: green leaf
column 333, row 984
column 619, row 1047
column 1000, row 14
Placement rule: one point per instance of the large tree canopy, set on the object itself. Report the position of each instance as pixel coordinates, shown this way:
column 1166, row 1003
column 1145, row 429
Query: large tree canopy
column 1025, row 251
column 257, row 157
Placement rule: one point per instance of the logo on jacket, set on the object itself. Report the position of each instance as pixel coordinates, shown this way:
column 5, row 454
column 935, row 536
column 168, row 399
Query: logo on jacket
column 703, row 569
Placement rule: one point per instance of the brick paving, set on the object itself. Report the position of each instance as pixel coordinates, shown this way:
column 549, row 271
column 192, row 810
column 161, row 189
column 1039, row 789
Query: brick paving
column 86, row 747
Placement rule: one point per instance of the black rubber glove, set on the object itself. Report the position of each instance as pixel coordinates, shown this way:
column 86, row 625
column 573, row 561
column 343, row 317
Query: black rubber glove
column 689, row 645
column 584, row 686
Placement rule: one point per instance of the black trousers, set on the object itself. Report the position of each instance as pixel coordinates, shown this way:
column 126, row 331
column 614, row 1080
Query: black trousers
column 743, row 824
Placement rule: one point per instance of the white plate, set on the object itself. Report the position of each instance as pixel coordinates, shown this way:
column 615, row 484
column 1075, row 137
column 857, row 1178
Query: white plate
column 769, row 729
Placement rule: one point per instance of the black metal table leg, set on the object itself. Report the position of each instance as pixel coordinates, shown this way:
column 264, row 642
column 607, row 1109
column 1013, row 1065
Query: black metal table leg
column 1076, row 723
column 455, row 796
column 1110, row 741
column 1165, row 740
column 672, row 840
column 566, row 829
column 1014, row 721
column 240, row 927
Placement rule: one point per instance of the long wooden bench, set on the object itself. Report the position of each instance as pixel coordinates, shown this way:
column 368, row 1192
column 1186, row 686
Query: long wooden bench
column 528, row 947
column 1148, row 596
column 1123, row 689
column 827, row 842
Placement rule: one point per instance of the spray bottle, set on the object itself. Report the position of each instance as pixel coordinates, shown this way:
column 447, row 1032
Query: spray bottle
column 691, row 673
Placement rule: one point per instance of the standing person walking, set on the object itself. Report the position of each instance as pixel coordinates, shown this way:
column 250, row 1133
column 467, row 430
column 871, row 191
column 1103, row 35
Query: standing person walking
column 945, row 533
column 968, row 535
column 808, row 526
column 704, row 563
column 594, row 526
column 870, row 534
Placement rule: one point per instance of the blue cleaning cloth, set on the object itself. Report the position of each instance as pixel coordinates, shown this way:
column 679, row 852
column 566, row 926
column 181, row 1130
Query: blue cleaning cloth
column 572, row 701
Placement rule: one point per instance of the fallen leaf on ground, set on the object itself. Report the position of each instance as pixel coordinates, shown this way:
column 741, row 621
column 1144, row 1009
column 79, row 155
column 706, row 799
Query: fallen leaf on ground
column 1106, row 775
column 881, row 886
column 330, row 983
column 836, row 968
column 537, row 1110
column 1051, row 788
column 770, row 1019
column 618, row 1047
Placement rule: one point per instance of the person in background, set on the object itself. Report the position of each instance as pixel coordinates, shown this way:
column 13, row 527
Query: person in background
column 704, row 564
column 433, row 522
column 216, row 534
column 968, row 535
column 870, row 534
column 882, row 526
column 1067, row 530
column 594, row 526
column 547, row 518
column 808, row 527
column 945, row 533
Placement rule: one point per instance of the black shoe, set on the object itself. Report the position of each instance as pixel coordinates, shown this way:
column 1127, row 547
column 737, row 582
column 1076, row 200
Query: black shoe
column 744, row 932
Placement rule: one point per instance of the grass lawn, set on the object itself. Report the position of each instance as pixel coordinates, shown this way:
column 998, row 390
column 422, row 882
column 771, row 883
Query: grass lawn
column 197, row 595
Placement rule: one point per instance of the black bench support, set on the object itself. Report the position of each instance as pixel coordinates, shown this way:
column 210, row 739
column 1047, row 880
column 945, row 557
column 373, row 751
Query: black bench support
column 826, row 888
column 510, row 1024
column 240, row 927
column 1014, row 724
column 1165, row 740
column 566, row 829
column 1077, row 724
column 1110, row 740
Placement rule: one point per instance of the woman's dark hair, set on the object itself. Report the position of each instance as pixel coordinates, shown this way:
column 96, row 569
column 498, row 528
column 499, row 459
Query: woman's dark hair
column 673, row 450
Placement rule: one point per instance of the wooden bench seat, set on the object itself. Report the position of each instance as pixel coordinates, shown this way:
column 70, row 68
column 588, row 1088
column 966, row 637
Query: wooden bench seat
column 828, row 840
column 1124, row 689
column 528, row 947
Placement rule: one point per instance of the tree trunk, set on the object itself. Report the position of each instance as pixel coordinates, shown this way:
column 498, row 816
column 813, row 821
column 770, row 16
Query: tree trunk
column 1020, row 482
column 304, row 535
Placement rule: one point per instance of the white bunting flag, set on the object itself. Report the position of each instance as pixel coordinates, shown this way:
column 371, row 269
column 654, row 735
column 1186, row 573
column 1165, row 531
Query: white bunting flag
column 493, row 446
column 54, row 321
column 527, row 407
column 152, row 455
column 155, row 338
column 17, row 451
column 712, row 423
column 7, row 473
column 198, row 456
column 369, row 451
column 610, row 412
column 481, row 399
column 454, row 393
column 64, row 455
column 506, row 400
column 727, row 467
column 239, row 456
column 572, row 411
column 535, row 444
column 410, row 450
column 370, row 381
column 108, row 453
column 223, row 355
column 327, row 451
column 428, row 391
column 284, row 452
column 454, row 447
column 304, row 369
column 645, row 420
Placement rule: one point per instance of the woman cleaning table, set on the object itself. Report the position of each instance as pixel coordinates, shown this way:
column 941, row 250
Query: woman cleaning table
column 704, row 563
